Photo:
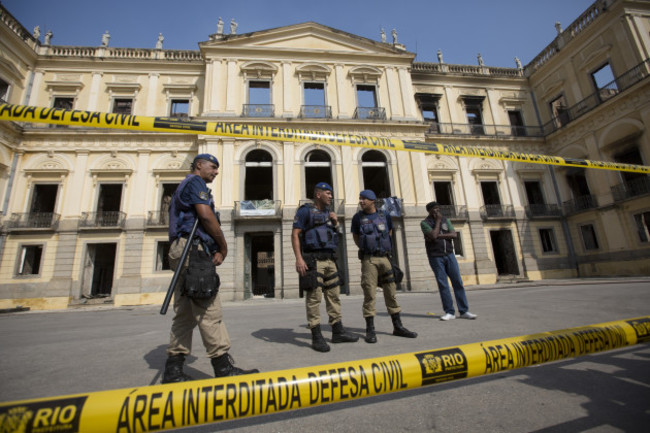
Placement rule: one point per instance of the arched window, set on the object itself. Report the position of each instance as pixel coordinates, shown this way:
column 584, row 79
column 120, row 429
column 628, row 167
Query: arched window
column 258, row 184
column 375, row 173
column 318, row 168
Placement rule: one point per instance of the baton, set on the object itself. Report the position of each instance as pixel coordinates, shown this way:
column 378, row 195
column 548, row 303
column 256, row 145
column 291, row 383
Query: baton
column 177, row 273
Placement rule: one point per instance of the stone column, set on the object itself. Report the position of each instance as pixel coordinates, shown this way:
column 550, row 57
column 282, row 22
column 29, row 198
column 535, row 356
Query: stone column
column 406, row 85
column 232, row 102
column 287, row 87
column 151, row 96
column 394, row 95
column 36, row 86
column 94, row 90
column 341, row 94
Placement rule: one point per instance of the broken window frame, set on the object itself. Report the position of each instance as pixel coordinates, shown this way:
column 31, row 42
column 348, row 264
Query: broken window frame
column 547, row 240
column 119, row 103
column 23, row 252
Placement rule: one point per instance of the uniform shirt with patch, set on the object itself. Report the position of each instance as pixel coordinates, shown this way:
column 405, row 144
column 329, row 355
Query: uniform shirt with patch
column 301, row 220
column 445, row 227
column 356, row 221
column 196, row 192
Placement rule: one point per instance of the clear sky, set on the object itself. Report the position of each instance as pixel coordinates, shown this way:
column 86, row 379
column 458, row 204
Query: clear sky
column 498, row 29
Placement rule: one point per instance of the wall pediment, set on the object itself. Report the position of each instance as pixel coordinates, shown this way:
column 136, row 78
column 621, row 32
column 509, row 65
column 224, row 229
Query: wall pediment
column 309, row 37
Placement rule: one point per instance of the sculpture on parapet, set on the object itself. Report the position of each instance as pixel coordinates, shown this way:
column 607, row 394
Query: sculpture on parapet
column 48, row 37
column 518, row 62
column 159, row 43
column 37, row 32
column 383, row 35
column 479, row 57
column 233, row 27
column 220, row 26
column 440, row 57
column 394, row 33
column 105, row 38
column 558, row 27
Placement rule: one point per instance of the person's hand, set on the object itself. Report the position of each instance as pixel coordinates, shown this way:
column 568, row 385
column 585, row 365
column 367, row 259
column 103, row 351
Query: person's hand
column 301, row 267
column 437, row 214
column 334, row 219
column 218, row 258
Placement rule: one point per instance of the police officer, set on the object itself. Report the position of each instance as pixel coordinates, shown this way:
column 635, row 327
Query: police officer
column 372, row 231
column 314, row 239
column 193, row 200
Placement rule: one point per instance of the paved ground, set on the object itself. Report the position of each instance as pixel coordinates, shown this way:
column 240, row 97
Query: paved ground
column 100, row 348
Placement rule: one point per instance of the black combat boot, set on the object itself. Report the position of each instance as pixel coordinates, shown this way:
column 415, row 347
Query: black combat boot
column 371, row 337
column 399, row 329
column 318, row 343
column 174, row 370
column 223, row 366
column 339, row 335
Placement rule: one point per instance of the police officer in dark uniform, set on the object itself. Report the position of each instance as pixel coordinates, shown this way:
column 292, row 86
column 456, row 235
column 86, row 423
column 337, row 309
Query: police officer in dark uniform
column 193, row 200
column 372, row 231
column 314, row 239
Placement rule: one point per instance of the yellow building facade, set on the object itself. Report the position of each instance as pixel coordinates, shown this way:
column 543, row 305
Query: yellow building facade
column 84, row 210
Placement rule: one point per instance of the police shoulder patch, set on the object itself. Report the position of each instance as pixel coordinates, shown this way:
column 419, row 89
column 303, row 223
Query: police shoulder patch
column 203, row 195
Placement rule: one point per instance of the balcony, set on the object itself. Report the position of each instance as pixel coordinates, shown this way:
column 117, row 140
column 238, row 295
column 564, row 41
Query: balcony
column 315, row 112
column 370, row 113
column 338, row 205
column 104, row 219
column 258, row 209
column 454, row 212
column 497, row 212
column 605, row 93
column 487, row 130
column 33, row 220
column 258, row 110
column 157, row 219
column 390, row 205
column 631, row 189
column 579, row 204
column 534, row 211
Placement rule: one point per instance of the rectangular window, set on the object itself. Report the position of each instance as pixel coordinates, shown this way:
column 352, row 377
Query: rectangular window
column 444, row 193
column 490, row 190
column 603, row 79
column 589, row 237
column 547, row 238
column 67, row 103
column 162, row 259
column 517, row 123
column 123, row 106
column 534, row 192
column 559, row 111
column 30, row 260
column 314, row 93
column 180, row 108
column 366, row 96
column 458, row 245
column 259, row 92
column 642, row 221
column 4, row 90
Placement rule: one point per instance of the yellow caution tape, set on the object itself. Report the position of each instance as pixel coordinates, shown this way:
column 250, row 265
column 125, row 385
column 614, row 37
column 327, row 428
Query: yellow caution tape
column 94, row 119
column 173, row 406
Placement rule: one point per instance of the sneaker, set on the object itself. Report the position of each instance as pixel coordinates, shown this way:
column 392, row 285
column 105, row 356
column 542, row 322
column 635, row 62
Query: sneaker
column 468, row 315
column 448, row 316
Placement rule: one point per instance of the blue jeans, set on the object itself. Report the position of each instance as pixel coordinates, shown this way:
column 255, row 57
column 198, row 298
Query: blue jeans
column 447, row 267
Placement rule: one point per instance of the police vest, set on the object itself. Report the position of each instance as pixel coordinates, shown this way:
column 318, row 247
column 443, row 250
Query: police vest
column 182, row 216
column 320, row 234
column 374, row 234
column 439, row 247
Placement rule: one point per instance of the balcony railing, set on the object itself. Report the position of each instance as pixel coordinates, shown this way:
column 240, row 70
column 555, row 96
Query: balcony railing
column 157, row 219
column 488, row 130
column 390, row 205
column 370, row 113
column 632, row 188
column 543, row 211
column 258, row 110
column 454, row 212
column 104, row 219
column 33, row 220
column 316, row 111
column 608, row 91
column 337, row 206
column 258, row 209
column 579, row 204
column 497, row 211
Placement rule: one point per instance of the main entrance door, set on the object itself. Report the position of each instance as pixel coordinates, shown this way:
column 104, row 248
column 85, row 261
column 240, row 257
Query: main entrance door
column 505, row 255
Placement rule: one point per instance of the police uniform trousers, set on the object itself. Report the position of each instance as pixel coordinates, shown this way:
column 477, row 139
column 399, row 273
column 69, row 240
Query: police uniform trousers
column 314, row 297
column 206, row 313
column 373, row 271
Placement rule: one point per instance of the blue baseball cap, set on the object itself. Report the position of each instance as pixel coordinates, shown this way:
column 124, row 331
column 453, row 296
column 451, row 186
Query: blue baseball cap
column 324, row 186
column 207, row 157
column 368, row 194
